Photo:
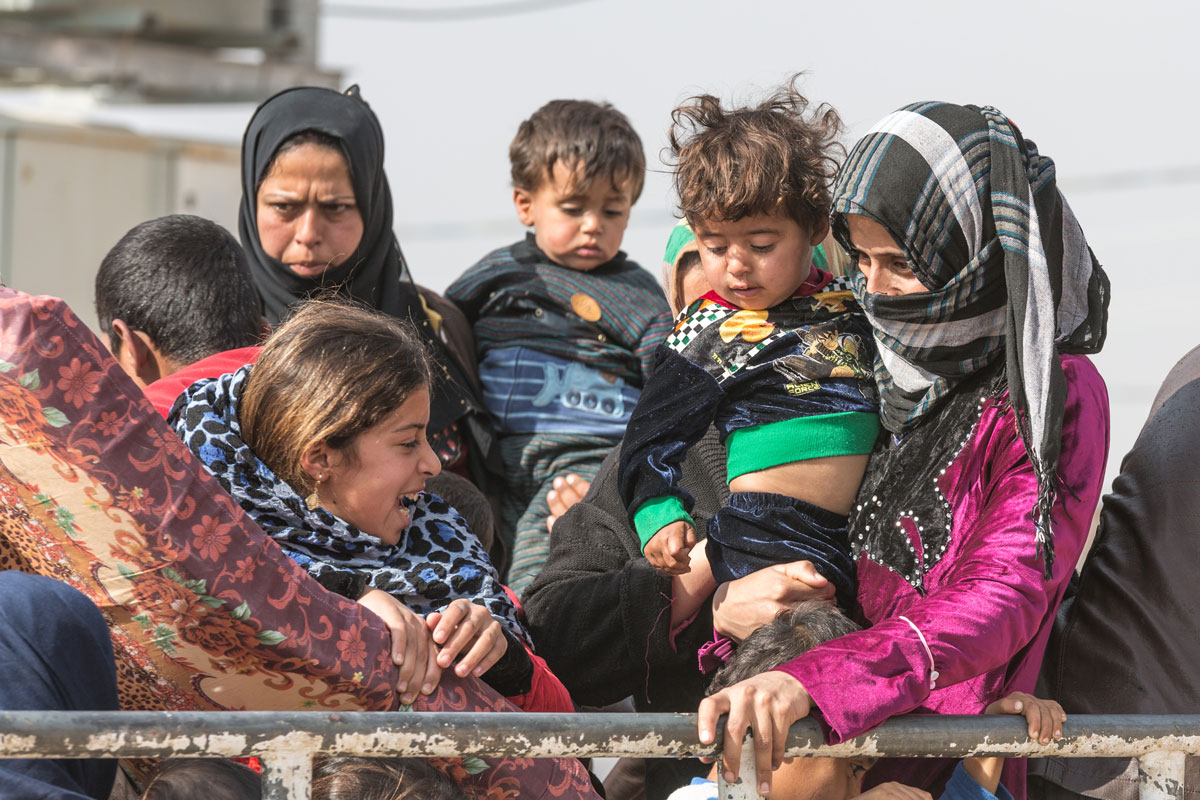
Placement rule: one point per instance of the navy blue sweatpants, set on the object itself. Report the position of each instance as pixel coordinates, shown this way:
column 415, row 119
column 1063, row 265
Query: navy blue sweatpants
column 55, row 654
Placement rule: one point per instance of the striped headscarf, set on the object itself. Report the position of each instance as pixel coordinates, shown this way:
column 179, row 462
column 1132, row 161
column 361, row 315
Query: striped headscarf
column 977, row 212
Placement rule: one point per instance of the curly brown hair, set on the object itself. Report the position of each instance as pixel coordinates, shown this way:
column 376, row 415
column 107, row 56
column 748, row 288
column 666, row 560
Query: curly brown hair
column 578, row 133
column 735, row 163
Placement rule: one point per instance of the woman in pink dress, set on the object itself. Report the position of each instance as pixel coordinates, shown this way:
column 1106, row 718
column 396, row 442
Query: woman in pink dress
column 983, row 296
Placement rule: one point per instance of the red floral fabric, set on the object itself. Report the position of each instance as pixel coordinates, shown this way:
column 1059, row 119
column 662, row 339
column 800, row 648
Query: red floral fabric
column 206, row 612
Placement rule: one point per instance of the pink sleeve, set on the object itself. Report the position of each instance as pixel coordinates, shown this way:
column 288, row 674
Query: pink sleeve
column 993, row 600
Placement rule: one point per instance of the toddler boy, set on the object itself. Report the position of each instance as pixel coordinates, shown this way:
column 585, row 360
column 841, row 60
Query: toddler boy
column 776, row 354
column 565, row 325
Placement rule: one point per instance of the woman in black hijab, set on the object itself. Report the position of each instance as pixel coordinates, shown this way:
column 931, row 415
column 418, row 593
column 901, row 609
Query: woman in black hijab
column 316, row 217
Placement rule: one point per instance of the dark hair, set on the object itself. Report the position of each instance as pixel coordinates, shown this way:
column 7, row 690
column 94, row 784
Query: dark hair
column 794, row 631
column 358, row 778
column 332, row 370
column 578, row 133
column 307, row 136
column 737, row 163
column 184, row 282
column 202, row 779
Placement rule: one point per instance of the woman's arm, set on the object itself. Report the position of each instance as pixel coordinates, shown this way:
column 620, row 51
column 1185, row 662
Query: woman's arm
column 677, row 406
column 977, row 622
column 993, row 604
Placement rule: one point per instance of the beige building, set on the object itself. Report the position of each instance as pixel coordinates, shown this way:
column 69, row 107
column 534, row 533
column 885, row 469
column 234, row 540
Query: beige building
column 68, row 192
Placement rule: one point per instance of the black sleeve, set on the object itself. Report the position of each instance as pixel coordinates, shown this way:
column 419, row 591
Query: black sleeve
column 348, row 584
column 513, row 673
column 600, row 614
column 677, row 405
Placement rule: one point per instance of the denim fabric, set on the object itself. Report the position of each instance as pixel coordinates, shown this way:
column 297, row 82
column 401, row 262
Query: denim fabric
column 55, row 655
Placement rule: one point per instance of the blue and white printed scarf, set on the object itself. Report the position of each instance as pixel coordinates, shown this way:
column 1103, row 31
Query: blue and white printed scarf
column 438, row 560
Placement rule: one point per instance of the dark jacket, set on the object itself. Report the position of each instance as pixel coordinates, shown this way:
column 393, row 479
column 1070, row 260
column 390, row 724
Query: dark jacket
column 600, row 614
column 1128, row 640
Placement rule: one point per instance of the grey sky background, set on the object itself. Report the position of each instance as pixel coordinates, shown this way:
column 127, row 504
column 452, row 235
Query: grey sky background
column 1106, row 89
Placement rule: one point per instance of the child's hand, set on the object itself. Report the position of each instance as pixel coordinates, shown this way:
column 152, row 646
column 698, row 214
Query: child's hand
column 1045, row 717
column 462, row 625
column 895, row 791
column 413, row 650
column 667, row 551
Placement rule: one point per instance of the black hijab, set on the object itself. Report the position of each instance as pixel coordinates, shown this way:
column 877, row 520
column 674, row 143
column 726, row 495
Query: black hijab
column 375, row 272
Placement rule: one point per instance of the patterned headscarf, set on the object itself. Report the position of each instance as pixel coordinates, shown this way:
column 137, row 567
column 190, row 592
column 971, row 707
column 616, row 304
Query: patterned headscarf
column 436, row 562
column 977, row 213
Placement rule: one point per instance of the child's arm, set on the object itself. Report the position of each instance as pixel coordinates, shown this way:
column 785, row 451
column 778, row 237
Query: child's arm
column 470, row 290
column 677, row 405
column 1045, row 718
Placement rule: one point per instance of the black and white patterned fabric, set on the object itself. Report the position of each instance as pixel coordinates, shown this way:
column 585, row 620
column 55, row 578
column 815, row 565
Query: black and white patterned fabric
column 436, row 562
column 1011, row 278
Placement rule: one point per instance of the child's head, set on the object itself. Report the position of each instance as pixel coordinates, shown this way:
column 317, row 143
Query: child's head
column 338, row 403
column 358, row 778
column 577, row 169
column 682, row 270
column 793, row 632
column 172, row 291
column 754, row 185
column 201, row 779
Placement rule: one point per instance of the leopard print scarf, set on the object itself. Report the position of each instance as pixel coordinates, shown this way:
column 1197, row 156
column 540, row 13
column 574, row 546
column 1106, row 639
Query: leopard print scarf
column 437, row 561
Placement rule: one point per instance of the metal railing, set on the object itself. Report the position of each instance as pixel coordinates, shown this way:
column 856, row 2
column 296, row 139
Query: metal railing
column 286, row 742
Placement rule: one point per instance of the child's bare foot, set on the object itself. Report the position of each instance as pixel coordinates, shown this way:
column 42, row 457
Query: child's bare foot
column 566, row 492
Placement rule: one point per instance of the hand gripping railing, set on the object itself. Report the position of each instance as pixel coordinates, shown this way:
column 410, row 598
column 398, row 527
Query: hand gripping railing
column 286, row 742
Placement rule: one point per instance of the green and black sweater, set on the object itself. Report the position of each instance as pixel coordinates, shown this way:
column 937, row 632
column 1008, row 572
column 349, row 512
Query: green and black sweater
column 784, row 384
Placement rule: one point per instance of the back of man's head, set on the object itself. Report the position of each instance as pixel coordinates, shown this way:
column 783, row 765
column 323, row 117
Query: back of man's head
column 184, row 282
column 793, row 632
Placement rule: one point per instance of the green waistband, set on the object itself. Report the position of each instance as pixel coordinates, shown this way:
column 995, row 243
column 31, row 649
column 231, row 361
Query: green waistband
column 799, row 439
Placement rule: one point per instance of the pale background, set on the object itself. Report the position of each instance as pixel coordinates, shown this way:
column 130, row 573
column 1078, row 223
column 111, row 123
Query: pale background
column 1108, row 90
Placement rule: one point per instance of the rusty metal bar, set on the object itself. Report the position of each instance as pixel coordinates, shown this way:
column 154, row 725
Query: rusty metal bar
column 1160, row 775
column 287, row 741
column 98, row 734
column 287, row 777
column 743, row 788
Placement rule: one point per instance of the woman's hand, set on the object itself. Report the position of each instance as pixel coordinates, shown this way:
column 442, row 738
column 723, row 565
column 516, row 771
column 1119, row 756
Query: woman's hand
column 740, row 607
column 462, row 625
column 566, row 492
column 768, row 704
column 412, row 646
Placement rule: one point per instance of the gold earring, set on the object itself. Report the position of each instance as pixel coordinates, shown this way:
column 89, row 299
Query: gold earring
column 314, row 499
